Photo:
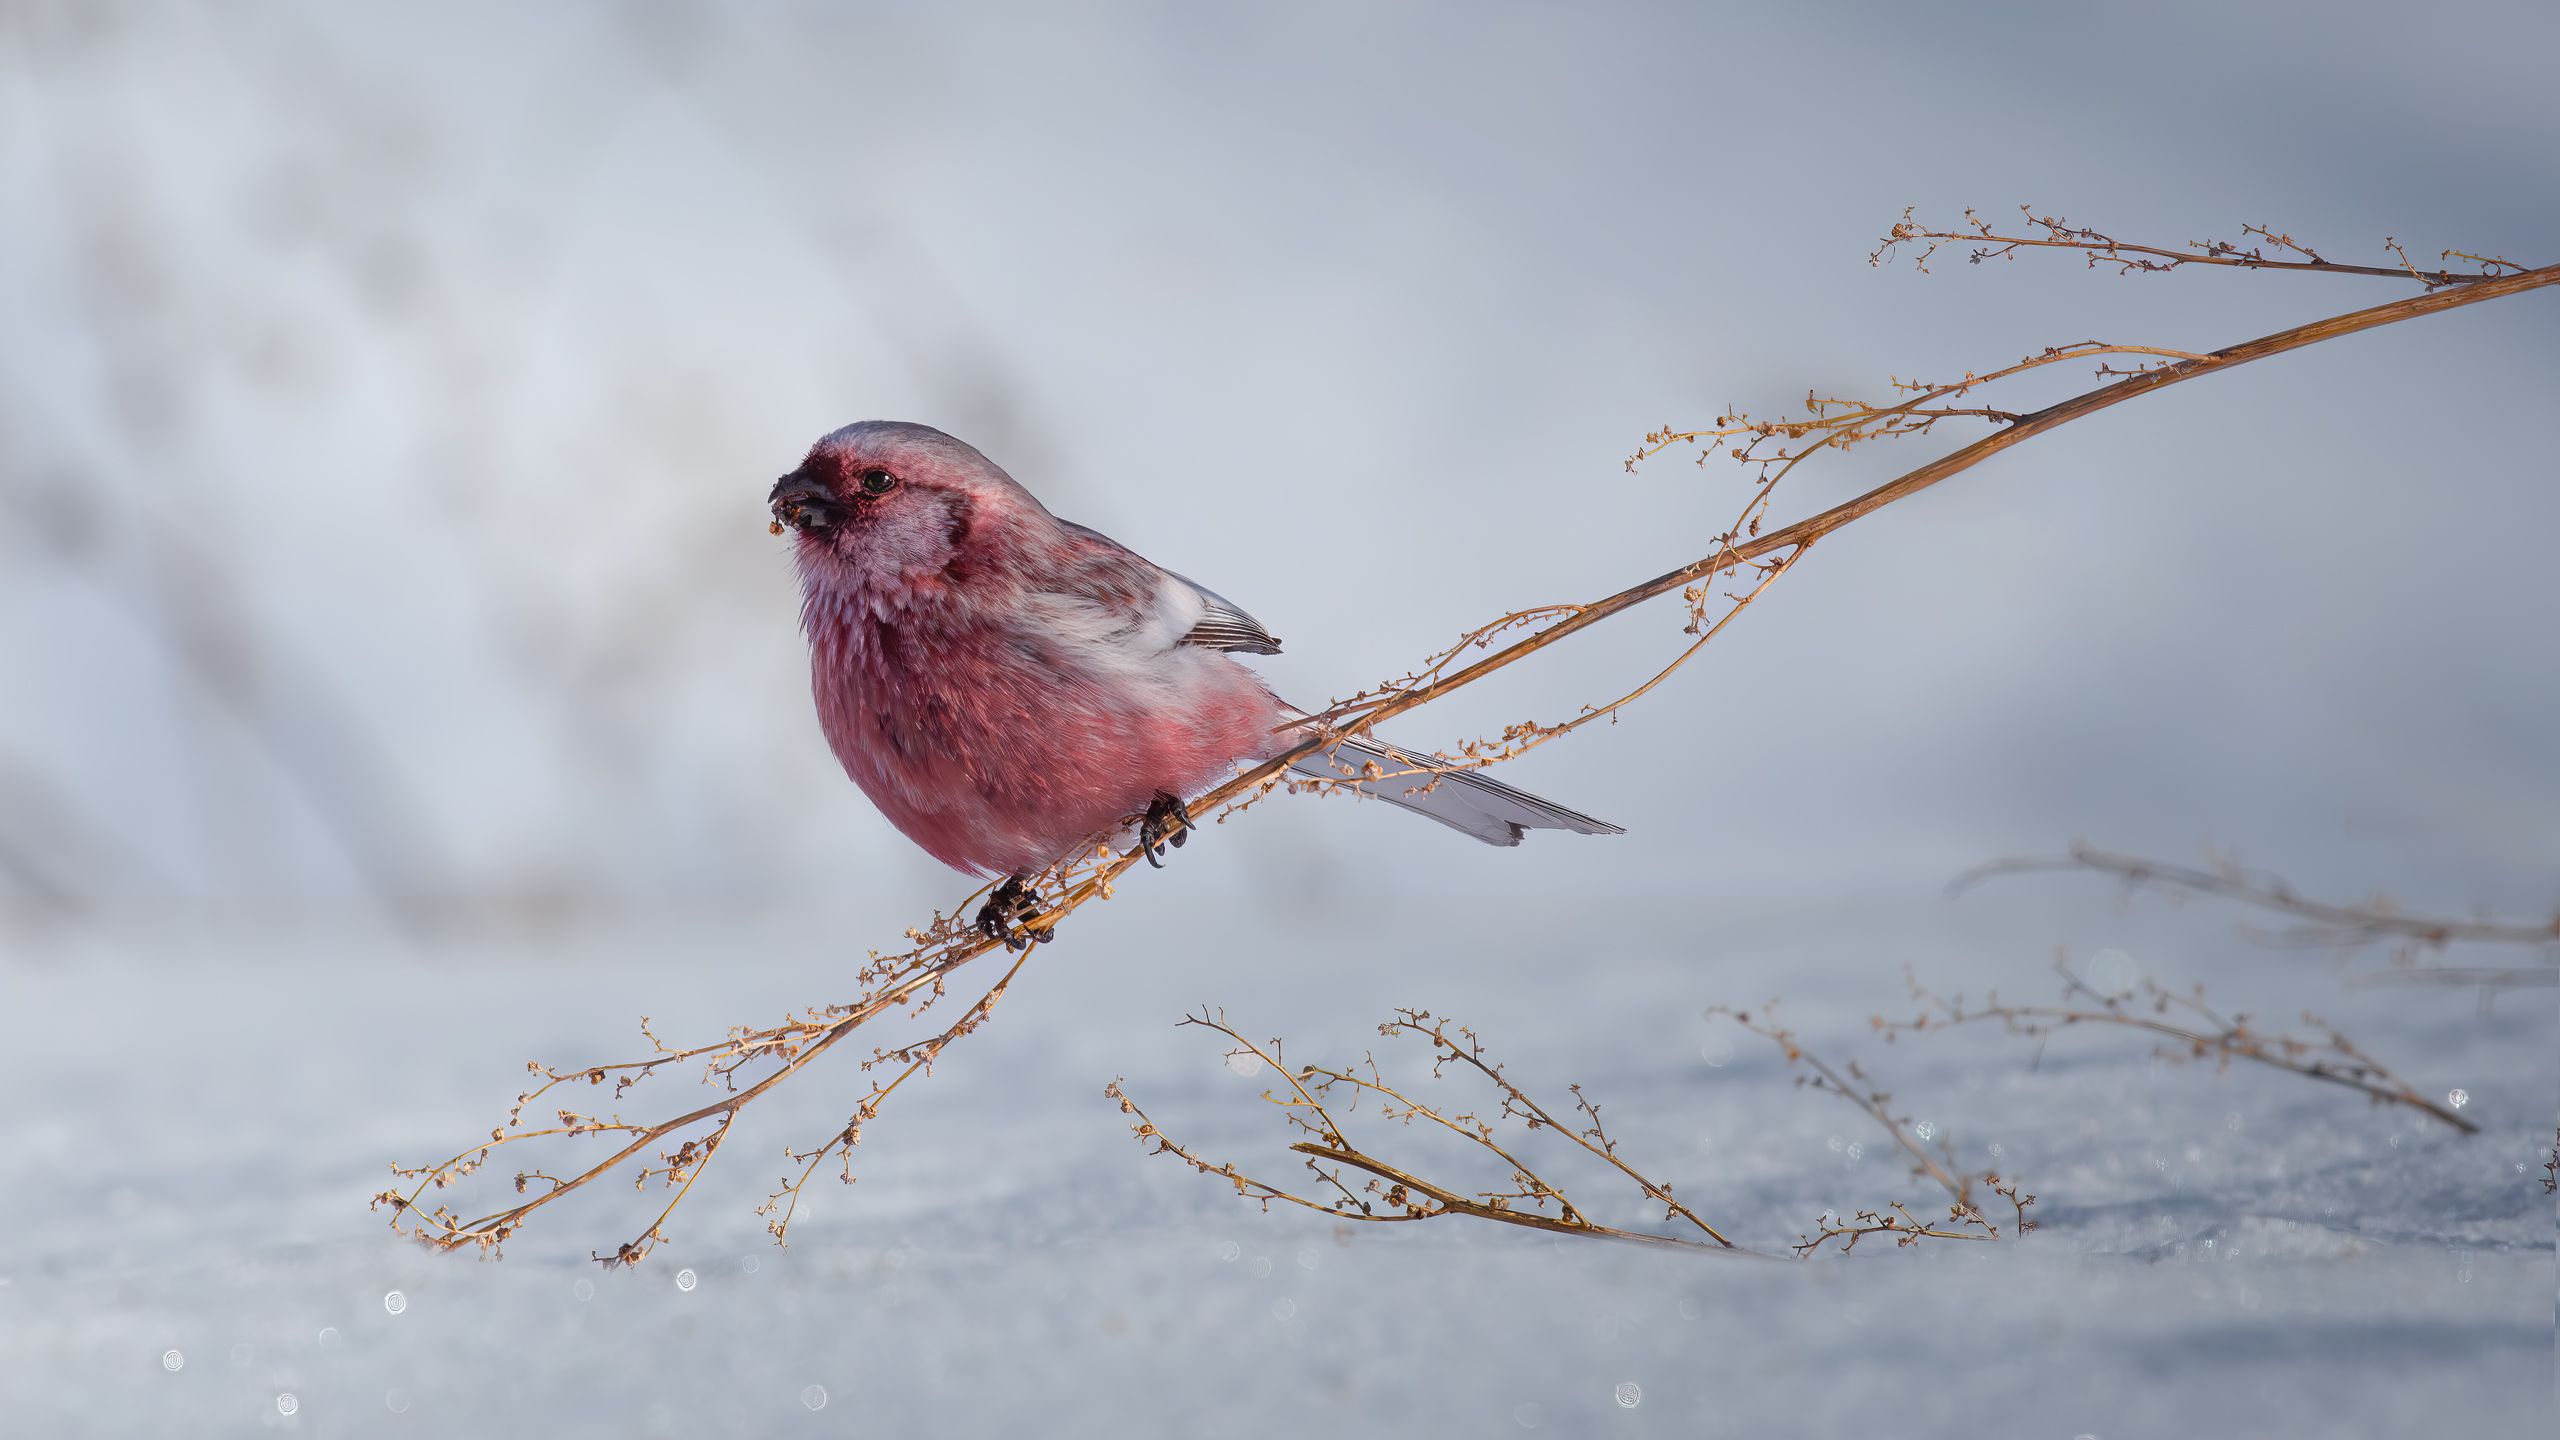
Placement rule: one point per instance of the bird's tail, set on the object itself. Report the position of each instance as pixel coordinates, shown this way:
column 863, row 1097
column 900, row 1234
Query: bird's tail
column 1466, row 800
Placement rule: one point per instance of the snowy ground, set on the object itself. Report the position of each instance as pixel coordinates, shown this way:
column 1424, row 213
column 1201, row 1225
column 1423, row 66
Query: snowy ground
column 2246, row 1253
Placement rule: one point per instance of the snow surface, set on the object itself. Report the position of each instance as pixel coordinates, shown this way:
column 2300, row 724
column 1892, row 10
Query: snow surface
column 2244, row 1253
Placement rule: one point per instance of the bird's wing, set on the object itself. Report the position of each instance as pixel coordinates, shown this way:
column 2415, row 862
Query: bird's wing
column 1176, row 610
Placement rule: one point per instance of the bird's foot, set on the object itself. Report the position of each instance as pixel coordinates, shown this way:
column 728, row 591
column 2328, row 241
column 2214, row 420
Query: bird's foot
column 1168, row 822
column 1006, row 917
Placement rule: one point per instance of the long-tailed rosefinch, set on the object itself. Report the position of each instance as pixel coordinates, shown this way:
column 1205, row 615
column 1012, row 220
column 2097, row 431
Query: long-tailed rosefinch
column 1007, row 686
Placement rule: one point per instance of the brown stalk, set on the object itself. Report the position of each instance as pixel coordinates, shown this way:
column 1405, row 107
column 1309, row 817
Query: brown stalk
column 2323, row 923
column 1515, row 1101
column 1394, row 1193
column 921, row 974
column 1911, row 483
column 1862, row 1095
column 1963, row 1215
column 1455, row 1204
column 2059, row 234
column 2196, row 1030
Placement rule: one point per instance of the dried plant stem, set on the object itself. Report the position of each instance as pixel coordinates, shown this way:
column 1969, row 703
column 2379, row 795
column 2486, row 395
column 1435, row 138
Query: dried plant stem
column 446, row 1230
column 2055, row 233
column 1394, row 1193
column 2324, row 924
column 1965, row 1220
column 1455, row 1204
column 921, row 974
column 2197, row 1031
column 1522, row 738
column 1467, row 1050
column 1897, row 1221
column 1862, row 1095
column 1833, row 423
column 918, row 1058
column 1914, row 481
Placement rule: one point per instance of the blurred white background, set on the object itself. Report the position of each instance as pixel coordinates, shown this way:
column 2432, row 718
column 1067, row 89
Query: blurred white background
column 390, row 395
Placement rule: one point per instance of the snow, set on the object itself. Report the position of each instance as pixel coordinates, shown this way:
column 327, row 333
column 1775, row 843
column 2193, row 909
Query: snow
column 2241, row 1253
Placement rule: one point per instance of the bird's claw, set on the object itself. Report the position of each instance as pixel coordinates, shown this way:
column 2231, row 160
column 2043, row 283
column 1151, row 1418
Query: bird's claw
column 1167, row 822
column 1006, row 916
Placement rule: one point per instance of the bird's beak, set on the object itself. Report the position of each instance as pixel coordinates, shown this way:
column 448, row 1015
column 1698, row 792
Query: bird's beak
column 802, row 503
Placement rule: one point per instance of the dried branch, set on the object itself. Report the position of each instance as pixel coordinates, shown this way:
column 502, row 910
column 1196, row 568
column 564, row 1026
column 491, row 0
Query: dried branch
column 2322, row 924
column 1965, row 1221
column 1837, row 423
column 1521, row 737
column 918, row 977
column 2051, row 232
column 789, row 1046
column 2194, row 1030
column 1394, row 1193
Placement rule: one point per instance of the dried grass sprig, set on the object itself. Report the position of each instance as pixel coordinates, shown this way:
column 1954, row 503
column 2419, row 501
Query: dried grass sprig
column 1523, row 736
column 1851, row 1082
column 1394, row 1193
column 2259, row 248
column 751, row 1061
column 2319, row 924
column 2192, row 1029
column 1896, row 1220
column 915, row 979
column 1775, row 447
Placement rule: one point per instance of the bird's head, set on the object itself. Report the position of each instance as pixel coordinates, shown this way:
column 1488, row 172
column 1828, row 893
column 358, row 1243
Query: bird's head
column 889, row 502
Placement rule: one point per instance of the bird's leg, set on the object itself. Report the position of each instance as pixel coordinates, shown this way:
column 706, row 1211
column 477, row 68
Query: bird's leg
column 1006, row 916
column 1168, row 822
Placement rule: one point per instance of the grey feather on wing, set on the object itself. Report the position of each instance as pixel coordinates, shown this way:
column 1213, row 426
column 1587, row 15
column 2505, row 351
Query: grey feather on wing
column 1223, row 625
column 1462, row 799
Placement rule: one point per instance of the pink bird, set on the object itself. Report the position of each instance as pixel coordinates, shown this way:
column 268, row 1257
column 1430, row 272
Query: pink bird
column 1008, row 686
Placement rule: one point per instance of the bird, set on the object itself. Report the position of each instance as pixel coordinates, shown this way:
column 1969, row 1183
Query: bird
column 1007, row 686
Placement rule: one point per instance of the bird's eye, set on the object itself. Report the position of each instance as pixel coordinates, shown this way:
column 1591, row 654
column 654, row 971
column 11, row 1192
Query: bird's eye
column 878, row 482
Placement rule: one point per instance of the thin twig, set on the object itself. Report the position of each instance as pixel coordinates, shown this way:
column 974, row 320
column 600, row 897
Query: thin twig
column 2331, row 923
column 2196, row 1031
column 1850, row 1083
column 2055, row 233
column 2324, row 924
column 919, row 976
column 1395, row 1192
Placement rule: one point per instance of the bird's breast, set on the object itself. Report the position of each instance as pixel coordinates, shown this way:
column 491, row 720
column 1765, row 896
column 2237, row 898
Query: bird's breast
column 992, row 744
